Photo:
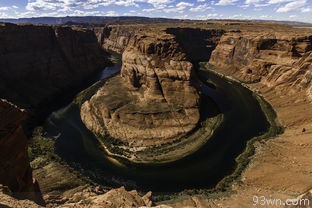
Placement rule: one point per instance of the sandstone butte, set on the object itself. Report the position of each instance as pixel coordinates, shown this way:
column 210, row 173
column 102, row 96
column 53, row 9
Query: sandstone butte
column 274, row 59
column 153, row 103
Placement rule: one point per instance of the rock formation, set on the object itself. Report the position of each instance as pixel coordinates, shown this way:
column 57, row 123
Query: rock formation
column 15, row 171
column 114, row 38
column 115, row 198
column 153, row 104
column 273, row 58
column 38, row 62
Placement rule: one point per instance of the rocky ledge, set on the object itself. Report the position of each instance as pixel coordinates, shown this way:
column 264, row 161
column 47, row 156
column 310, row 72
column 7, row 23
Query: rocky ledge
column 153, row 107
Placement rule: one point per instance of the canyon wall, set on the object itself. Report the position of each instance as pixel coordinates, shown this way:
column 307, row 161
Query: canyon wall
column 197, row 43
column 274, row 59
column 38, row 62
column 114, row 38
column 15, row 171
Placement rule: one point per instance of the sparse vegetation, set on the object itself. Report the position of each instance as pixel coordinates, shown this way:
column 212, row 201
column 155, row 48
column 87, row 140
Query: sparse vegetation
column 41, row 146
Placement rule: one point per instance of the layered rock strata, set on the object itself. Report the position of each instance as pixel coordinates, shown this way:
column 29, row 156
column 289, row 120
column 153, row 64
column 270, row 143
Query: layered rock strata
column 274, row 59
column 114, row 38
column 151, row 107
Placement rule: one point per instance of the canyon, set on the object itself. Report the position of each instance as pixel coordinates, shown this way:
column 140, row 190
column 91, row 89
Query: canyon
column 156, row 98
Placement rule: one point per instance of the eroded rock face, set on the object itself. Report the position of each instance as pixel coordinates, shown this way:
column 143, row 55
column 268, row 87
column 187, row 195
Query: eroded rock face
column 153, row 102
column 38, row 62
column 275, row 59
column 114, row 38
column 15, row 171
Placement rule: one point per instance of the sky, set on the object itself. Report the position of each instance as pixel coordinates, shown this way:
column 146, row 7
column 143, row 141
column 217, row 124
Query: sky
column 294, row 10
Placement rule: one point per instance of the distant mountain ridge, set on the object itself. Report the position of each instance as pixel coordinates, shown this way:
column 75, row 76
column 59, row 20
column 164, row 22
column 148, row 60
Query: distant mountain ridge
column 122, row 20
column 85, row 19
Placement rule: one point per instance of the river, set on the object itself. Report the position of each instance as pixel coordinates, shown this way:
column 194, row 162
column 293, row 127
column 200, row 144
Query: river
column 243, row 120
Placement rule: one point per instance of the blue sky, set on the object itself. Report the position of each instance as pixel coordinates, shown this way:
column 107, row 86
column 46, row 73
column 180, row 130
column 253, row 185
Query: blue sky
column 296, row 10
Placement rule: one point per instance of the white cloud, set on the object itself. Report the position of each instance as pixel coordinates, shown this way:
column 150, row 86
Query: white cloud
column 111, row 13
column 4, row 8
column 209, row 16
column 44, row 5
column 184, row 4
column 158, row 3
column 248, row 2
column 126, row 3
column 150, row 10
column 255, row 3
column 4, row 15
column 240, row 16
column 226, row 2
column 306, row 10
column 195, row 9
column 200, row 8
column 278, row 1
column 179, row 8
column 291, row 6
column 265, row 16
column 182, row 17
column 293, row 16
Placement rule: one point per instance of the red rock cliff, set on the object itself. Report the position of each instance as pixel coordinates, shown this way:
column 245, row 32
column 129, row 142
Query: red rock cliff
column 15, row 171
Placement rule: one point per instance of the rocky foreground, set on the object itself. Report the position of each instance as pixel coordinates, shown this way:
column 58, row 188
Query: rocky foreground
column 274, row 59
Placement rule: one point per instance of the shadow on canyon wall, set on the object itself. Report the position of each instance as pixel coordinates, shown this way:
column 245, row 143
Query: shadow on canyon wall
column 197, row 43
